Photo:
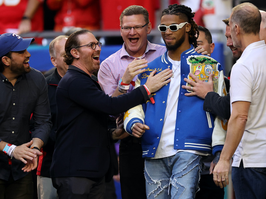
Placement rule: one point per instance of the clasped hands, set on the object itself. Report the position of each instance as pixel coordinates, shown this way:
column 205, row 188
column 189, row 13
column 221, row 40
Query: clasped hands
column 27, row 155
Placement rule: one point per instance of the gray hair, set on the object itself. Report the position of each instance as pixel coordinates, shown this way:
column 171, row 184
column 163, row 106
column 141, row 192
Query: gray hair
column 52, row 44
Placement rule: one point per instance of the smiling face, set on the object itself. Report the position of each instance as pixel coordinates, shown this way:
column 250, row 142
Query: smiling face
column 135, row 41
column 174, row 39
column 88, row 59
column 229, row 42
column 19, row 62
column 234, row 32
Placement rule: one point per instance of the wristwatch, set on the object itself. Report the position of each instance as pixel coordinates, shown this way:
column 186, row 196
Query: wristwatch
column 25, row 18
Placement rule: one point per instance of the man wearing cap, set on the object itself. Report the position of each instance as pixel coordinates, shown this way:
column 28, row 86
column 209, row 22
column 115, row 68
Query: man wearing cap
column 23, row 95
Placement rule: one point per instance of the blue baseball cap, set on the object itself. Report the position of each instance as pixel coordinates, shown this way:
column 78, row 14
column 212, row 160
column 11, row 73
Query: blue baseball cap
column 12, row 42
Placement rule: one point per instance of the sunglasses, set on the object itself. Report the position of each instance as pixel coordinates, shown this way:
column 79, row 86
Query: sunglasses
column 172, row 27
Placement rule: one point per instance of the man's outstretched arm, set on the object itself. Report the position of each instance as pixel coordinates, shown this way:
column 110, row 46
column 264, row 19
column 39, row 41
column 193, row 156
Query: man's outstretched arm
column 217, row 105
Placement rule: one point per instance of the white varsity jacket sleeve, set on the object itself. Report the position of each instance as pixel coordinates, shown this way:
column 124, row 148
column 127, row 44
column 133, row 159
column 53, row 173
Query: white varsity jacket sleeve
column 133, row 115
column 220, row 126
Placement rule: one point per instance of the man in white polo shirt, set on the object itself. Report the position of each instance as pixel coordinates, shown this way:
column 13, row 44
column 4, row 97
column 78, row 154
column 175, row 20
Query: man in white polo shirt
column 246, row 133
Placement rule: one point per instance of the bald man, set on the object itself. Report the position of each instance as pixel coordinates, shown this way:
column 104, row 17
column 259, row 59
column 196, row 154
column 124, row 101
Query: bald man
column 246, row 131
column 213, row 103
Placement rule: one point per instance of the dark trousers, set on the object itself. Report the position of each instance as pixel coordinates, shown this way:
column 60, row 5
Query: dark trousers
column 110, row 190
column 79, row 188
column 208, row 189
column 131, row 165
column 249, row 183
column 19, row 189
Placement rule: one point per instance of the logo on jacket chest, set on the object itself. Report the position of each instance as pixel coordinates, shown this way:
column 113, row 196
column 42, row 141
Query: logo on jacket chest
column 146, row 74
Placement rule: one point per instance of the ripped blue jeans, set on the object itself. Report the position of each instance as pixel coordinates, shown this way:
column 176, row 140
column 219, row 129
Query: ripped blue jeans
column 173, row 177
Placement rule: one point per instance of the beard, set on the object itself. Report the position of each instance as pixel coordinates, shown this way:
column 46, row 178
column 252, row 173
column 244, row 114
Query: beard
column 18, row 69
column 176, row 45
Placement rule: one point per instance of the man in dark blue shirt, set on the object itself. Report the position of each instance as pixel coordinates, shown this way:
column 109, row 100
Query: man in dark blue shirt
column 23, row 95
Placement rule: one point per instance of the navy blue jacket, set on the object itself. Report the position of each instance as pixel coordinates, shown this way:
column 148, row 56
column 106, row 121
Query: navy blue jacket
column 82, row 147
column 218, row 105
column 45, row 160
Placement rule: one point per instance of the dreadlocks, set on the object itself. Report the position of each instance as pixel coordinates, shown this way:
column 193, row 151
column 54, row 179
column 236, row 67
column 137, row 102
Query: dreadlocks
column 186, row 14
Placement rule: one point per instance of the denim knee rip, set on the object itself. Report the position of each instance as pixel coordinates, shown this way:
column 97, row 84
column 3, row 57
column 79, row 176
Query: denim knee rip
column 161, row 184
column 174, row 181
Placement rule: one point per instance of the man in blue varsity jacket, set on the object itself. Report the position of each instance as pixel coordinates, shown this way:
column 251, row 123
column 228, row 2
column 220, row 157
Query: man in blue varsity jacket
column 176, row 130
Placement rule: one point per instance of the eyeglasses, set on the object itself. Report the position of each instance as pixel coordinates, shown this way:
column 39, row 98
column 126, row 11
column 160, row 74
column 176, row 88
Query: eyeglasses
column 172, row 27
column 92, row 45
column 137, row 28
